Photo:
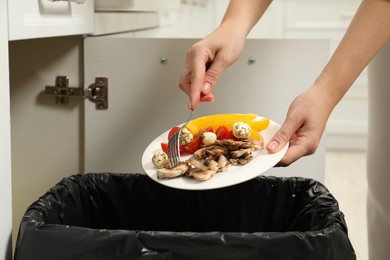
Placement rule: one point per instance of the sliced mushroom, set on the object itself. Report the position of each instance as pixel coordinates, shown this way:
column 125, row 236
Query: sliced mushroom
column 212, row 151
column 172, row 172
column 240, row 144
column 202, row 170
column 245, row 160
column 223, row 163
column 242, row 153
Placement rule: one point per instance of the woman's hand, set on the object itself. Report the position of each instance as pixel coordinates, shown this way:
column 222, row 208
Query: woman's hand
column 303, row 127
column 205, row 62
column 208, row 58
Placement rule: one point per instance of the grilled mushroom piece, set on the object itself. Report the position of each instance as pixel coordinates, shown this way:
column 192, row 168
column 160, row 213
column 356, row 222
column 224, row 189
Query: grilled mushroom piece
column 240, row 144
column 202, row 169
column 223, row 163
column 212, row 151
column 169, row 173
column 241, row 153
column 245, row 160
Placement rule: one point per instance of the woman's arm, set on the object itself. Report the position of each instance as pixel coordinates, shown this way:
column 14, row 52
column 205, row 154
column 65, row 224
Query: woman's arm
column 244, row 14
column 308, row 114
column 367, row 33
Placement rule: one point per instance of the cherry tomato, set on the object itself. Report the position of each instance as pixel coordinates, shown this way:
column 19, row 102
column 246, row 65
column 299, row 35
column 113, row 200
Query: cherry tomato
column 173, row 131
column 195, row 144
column 208, row 129
column 189, row 148
column 183, row 150
column 230, row 135
column 221, row 132
column 164, row 147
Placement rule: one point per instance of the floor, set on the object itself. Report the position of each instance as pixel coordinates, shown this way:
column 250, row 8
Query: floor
column 345, row 177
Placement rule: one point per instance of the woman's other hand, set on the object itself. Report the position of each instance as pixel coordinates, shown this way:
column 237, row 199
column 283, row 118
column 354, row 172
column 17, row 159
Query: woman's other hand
column 303, row 127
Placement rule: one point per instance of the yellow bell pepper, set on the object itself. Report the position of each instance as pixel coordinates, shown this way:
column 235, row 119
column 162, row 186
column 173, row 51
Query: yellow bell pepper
column 214, row 121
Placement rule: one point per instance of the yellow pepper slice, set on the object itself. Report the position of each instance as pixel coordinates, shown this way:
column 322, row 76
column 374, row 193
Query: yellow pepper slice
column 214, row 121
column 258, row 126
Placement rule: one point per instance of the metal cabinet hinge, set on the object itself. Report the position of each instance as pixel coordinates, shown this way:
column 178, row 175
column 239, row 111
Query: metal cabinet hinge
column 96, row 92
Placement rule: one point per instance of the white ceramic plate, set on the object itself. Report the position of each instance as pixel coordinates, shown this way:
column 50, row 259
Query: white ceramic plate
column 234, row 175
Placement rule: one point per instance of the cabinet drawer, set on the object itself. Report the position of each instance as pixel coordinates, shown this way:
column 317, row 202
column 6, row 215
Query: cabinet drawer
column 44, row 18
column 118, row 22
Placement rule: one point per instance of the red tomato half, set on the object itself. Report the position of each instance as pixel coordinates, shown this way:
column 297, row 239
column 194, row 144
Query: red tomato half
column 230, row 135
column 183, row 150
column 173, row 131
column 222, row 132
column 164, row 147
column 208, row 129
column 189, row 148
column 195, row 144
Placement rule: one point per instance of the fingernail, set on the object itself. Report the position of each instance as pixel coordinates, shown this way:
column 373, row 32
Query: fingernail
column 206, row 86
column 273, row 145
column 189, row 104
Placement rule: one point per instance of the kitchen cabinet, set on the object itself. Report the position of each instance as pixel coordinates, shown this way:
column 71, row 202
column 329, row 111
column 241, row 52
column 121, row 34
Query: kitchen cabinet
column 117, row 22
column 46, row 137
column 48, row 18
column 5, row 141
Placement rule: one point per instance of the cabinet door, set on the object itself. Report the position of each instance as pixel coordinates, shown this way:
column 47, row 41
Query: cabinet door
column 5, row 142
column 145, row 100
column 44, row 18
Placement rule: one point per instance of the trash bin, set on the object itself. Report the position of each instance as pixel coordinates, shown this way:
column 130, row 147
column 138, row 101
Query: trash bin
column 129, row 216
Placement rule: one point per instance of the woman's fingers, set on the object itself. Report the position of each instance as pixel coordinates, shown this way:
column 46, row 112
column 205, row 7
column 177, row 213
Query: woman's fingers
column 302, row 130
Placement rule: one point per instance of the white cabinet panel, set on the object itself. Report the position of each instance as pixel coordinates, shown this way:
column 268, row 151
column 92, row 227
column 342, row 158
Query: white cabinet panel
column 113, row 4
column 329, row 14
column 271, row 24
column 46, row 136
column 144, row 98
column 117, row 22
column 137, row 5
column 44, row 18
column 5, row 142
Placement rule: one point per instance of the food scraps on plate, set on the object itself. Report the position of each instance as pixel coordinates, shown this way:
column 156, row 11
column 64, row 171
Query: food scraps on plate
column 215, row 143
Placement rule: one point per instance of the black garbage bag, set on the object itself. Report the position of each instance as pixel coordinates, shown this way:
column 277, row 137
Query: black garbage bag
column 129, row 216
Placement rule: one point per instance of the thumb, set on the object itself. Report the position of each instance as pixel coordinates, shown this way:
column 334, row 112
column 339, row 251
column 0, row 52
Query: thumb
column 281, row 138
